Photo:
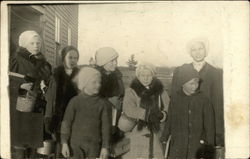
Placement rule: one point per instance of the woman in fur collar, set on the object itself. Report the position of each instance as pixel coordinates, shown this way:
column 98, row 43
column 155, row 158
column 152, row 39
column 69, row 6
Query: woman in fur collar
column 147, row 102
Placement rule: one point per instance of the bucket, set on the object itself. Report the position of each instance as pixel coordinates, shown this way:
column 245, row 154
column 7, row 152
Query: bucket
column 48, row 147
column 26, row 103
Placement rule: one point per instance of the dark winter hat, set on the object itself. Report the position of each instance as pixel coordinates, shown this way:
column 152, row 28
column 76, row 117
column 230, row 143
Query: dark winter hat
column 68, row 49
column 186, row 74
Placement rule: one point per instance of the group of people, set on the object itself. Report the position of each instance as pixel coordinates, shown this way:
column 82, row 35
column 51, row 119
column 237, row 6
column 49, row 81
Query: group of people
column 80, row 108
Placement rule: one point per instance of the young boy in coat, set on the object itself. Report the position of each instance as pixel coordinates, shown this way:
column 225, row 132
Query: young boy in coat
column 86, row 123
column 191, row 119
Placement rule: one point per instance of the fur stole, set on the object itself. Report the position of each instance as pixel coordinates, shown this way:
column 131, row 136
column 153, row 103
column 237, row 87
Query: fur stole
column 149, row 97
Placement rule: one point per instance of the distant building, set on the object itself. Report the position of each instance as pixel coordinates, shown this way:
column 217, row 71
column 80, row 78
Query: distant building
column 57, row 25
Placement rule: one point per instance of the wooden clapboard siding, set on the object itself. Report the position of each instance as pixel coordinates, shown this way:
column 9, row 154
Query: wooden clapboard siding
column 68, row 15
column 41, row 18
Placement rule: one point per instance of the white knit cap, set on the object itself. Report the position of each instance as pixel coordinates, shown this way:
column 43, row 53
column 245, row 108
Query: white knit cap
column 26, row 36
column 143, row 66
column 105, row 55
column 85, row 74
column 202, row 40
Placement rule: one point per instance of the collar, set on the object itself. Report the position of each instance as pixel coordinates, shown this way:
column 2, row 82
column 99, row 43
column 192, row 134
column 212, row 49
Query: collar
column 198, row 65
column 202, row 63
column 87, row 95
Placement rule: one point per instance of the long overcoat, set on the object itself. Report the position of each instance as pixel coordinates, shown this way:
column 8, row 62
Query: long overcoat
column 211, row 85
column 190, row 120
column 27, row 127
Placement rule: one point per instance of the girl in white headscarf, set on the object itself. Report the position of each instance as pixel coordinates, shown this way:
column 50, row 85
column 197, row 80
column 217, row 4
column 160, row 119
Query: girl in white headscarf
column 145, row 102
column 27, row 129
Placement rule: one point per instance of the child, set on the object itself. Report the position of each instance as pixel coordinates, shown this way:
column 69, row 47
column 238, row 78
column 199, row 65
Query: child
column 191, row 119
column 86, row 125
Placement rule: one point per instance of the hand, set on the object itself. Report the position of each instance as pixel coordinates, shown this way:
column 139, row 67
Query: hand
column 104, row 153
column 26, row 86
column 65, row 150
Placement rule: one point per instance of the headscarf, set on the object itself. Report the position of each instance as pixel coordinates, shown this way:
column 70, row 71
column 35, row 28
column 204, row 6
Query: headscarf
column 143, row 66
column 26, row 36
column 85, row 74
column 202, row 40
column 105, row 55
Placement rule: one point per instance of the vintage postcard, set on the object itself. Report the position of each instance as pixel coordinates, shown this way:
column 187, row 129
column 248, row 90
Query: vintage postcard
column 125, row 79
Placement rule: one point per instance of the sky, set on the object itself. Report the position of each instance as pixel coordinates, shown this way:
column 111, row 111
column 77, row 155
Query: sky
column 153, row 32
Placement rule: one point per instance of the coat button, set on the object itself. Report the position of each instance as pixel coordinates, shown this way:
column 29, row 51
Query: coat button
column 189, row 111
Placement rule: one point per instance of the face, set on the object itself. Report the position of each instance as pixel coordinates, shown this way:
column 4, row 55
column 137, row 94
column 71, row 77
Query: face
column 145, row 77
column 34, row 45
column 111, row 66
column 93, row 85
column 71, row 59
column 191, row 86
column 198, row 52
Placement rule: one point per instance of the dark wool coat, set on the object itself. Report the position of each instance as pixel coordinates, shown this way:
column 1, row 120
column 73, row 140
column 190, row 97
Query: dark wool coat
column 191, row 119
column 86, row 119
column 112, row 84
column 212, row 86
column 61, row 90
column 27, row 128
column 112, row 89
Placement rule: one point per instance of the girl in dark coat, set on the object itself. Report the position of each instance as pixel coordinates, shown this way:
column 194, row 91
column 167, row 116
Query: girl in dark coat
column 112, row 86
column 61, row 90
column 27, row 127
column 191, row 119
column 211, row 82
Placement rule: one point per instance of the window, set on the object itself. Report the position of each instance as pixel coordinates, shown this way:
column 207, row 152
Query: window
column 69, row 36
column 57, row 29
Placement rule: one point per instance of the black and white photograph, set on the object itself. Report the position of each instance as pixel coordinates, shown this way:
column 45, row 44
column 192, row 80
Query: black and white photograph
column 125, row 80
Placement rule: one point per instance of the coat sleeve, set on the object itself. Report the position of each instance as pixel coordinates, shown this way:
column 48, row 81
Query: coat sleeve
column 106, row 126
column 15, row 82
column 217, row 101
column 167, row 128
column 165, row 101
column 50, row 97
column 67, row 121
column 209, row 123
column 131, row 107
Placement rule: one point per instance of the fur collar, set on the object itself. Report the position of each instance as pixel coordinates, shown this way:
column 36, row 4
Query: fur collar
column 59, row 72
column 155, row 88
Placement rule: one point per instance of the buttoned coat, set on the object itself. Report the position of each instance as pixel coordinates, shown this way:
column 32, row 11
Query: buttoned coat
column 190, row 119
column 212, row 87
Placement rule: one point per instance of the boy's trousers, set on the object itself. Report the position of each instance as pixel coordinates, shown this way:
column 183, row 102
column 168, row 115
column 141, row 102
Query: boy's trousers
column 85, row 149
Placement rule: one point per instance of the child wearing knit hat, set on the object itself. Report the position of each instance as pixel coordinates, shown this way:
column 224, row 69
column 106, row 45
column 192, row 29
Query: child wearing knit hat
column 86, row 125
column 190, row 119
